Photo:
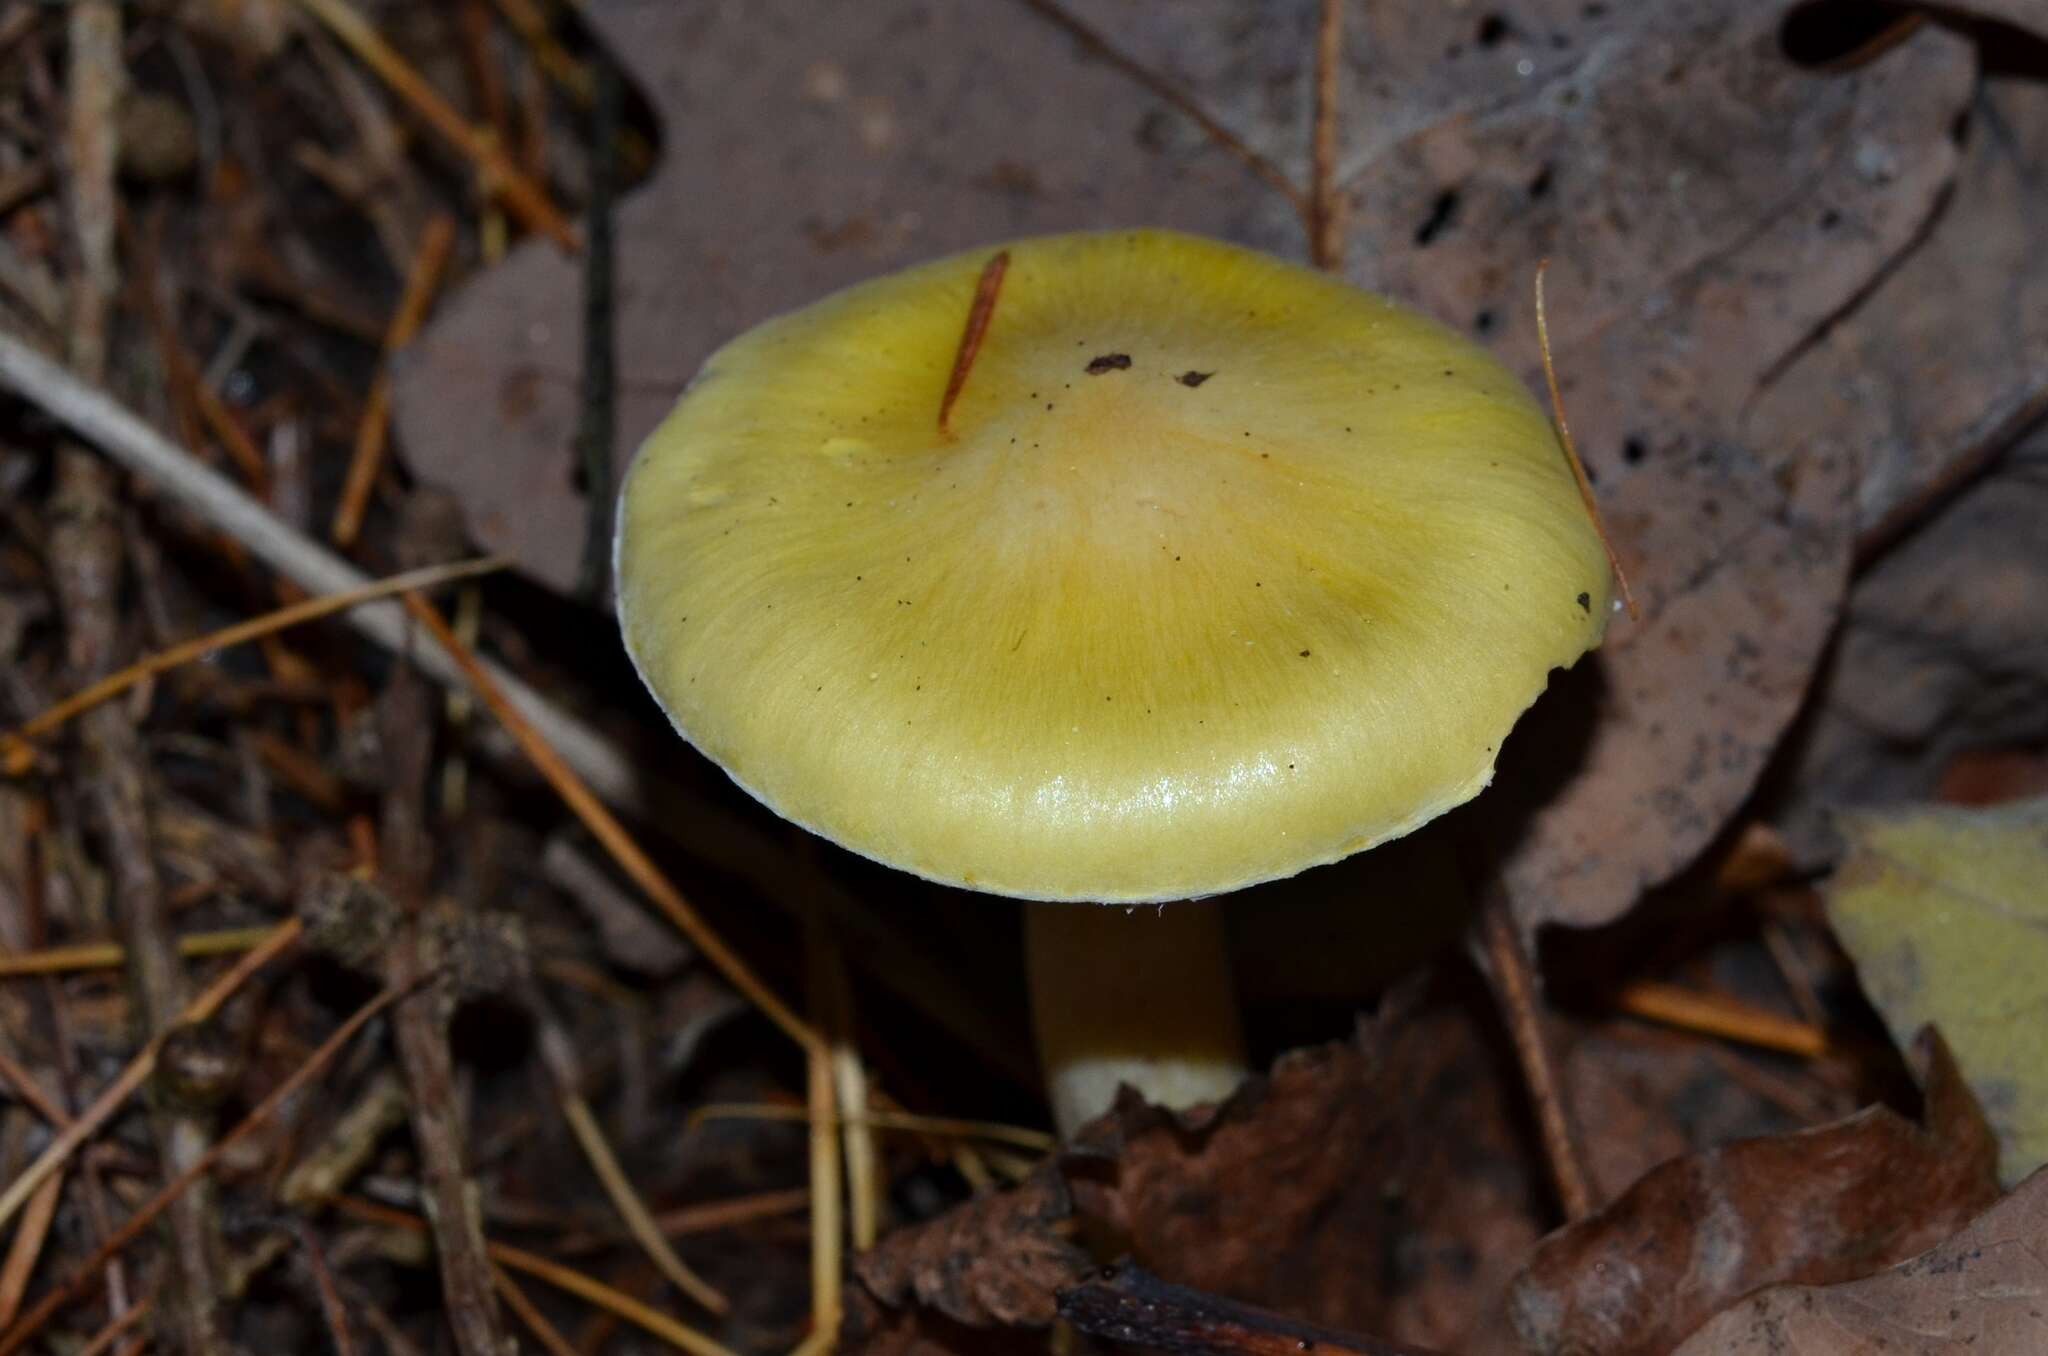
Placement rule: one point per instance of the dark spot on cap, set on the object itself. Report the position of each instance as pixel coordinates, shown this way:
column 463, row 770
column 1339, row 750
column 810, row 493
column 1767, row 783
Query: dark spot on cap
column 1108, row 362
column 1304, row 654
column 1193, row 378
column 1586, row 603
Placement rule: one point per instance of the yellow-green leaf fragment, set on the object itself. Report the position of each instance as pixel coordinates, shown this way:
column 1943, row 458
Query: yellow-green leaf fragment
column 1945, row 912
column 1222, row 570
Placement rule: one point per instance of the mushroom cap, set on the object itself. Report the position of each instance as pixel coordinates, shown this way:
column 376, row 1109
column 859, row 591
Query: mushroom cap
column 1225, row 569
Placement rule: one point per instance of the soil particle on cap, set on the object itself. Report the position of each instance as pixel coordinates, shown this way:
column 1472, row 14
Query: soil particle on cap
column 1586, row 603
column 1193, row 378
column 1108, row 362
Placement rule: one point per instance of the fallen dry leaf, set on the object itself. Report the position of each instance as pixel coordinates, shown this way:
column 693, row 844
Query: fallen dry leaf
column 1926, row 382
column 994, row 1261
column 1948, row 356
column 1641, row 1097
column 1328, row 1190
column 1709, row 204
column 1675, row 291
column 1702, row 1231
column 1331, row 1191
column 1984, row 1291
column 1942, row 651
column 1945, row 913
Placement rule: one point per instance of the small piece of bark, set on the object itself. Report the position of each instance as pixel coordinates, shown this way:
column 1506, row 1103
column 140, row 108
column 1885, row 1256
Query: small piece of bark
column 1127, row 1304
column 996, row 1260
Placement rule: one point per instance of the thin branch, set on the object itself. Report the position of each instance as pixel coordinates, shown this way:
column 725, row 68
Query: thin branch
column 96, row 80
column 420, row 1030
column 86, row 563
column 1498, row 948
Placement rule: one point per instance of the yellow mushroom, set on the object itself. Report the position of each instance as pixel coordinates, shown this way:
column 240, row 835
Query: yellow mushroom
column 1222, row 569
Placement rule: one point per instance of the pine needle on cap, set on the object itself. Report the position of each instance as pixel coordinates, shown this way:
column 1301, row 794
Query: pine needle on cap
column 1571, row 451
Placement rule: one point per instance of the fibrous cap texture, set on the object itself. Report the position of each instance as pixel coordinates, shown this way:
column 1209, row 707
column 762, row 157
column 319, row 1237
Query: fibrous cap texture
column 1225, row 569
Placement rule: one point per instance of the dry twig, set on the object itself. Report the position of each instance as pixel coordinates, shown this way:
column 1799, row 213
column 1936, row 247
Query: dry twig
column 86, row 561
column 85, row 555
column 1497, row 945
column 420, row 1027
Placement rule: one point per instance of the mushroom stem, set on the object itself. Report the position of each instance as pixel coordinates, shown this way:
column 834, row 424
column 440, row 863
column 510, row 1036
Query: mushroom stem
column 1131, row 995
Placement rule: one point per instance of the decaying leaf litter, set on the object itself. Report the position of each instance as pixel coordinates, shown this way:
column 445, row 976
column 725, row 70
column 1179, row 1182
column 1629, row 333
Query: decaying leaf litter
column 1789, row 303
